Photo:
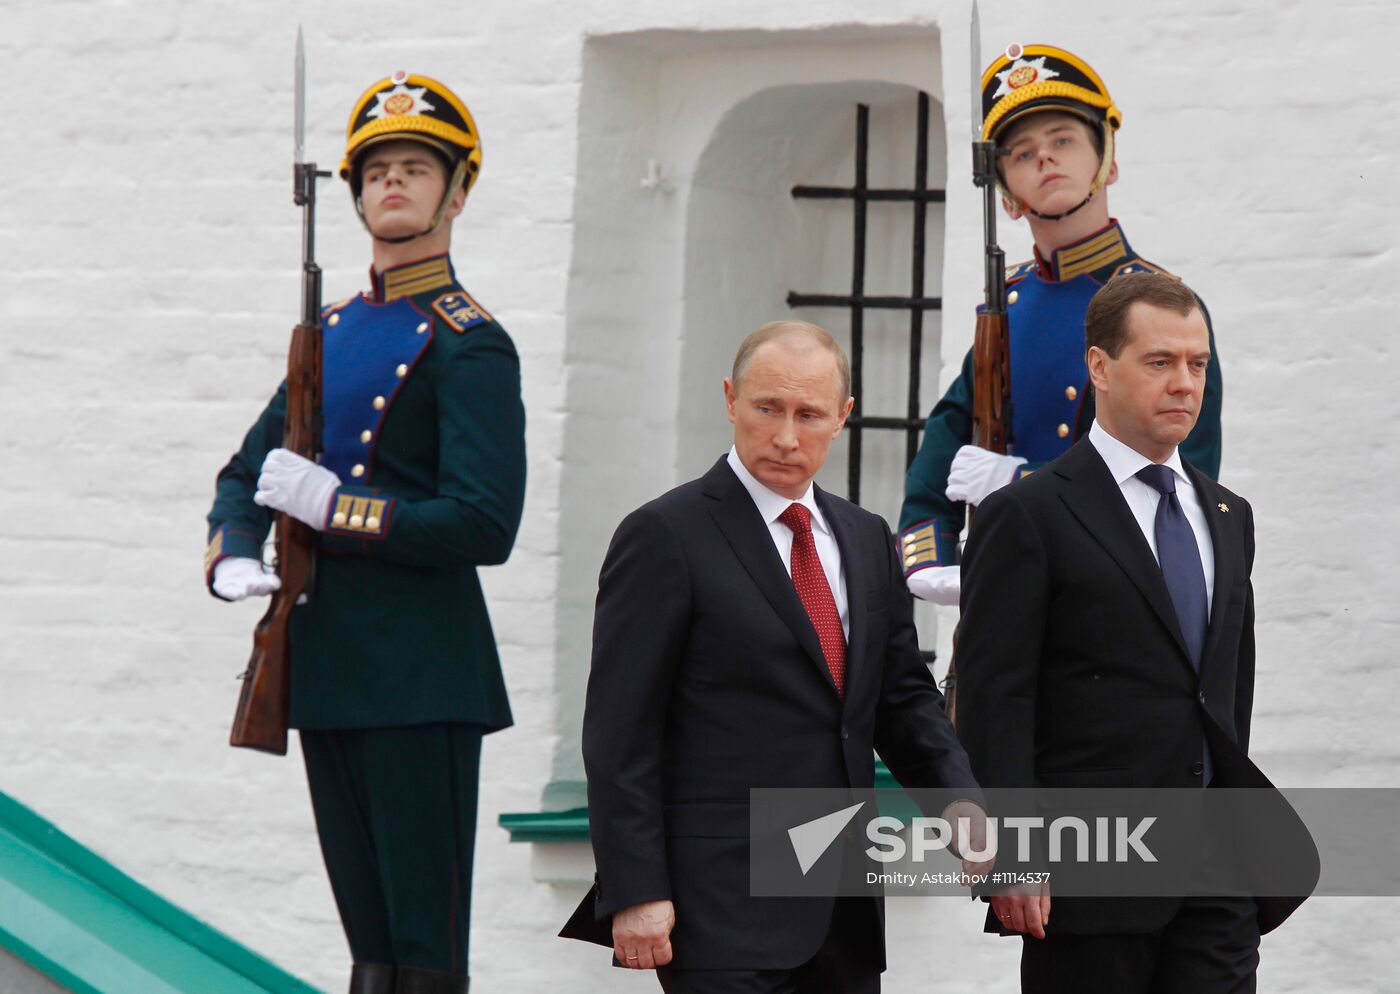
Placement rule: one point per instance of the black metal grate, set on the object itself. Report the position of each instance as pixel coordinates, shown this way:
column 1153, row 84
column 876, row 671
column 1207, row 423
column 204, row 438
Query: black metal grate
column 916, row 303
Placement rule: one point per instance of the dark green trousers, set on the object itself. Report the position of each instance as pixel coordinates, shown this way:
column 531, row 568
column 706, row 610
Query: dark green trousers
column 396, row 813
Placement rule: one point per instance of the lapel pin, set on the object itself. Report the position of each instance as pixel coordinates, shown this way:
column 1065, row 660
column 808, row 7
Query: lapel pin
column 1224, row 507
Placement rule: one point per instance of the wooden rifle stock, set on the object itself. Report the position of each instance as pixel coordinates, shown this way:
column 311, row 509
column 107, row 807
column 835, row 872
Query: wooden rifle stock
column 991, row 383
column 264, row 703
column 991, row 349
column 991, row 409
column 260, row 722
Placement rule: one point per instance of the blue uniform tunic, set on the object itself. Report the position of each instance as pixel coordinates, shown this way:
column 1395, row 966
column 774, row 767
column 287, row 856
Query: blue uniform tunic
column 423, row 423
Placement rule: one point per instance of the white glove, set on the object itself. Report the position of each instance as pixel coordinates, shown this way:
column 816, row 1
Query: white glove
column 238, row 577
column 939, row 584
column 297, row 487
column 976, row 472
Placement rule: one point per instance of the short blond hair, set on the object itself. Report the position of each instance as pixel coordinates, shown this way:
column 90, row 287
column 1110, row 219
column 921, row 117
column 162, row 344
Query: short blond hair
column 776, row 331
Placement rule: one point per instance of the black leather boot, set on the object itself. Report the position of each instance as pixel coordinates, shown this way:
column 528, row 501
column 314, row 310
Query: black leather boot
column 372, row 978
column 415, row 980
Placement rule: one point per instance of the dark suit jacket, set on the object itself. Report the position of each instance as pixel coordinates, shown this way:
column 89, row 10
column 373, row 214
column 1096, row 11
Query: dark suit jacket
column 708, row 680
column 1072, row 669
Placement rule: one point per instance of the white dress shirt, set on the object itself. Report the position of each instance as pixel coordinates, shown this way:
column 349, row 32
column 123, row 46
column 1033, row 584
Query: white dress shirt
column 1124, row 462
column 771, row 505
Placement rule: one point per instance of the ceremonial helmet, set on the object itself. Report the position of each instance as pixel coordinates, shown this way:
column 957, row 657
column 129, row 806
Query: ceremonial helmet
column 407, row 107
column 1030, row 78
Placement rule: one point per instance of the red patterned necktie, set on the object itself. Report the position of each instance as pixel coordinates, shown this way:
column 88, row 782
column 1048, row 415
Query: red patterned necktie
column 815, row 593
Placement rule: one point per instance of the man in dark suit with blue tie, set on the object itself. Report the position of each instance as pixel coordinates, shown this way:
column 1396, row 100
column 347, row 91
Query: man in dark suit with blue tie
column 1107, row 640
column 751, row 630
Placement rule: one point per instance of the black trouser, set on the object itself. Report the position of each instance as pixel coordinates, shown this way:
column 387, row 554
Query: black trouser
column 396, row 812
column 848, row 962
column 1211, row 946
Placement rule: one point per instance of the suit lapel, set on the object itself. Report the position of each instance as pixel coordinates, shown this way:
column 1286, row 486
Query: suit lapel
column 1224, row 553
column 1093, row 496
column 748, row 536
column 856, row 594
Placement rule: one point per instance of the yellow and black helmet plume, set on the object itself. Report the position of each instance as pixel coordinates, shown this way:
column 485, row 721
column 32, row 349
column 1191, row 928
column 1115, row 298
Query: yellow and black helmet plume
column 1027, row 79
column 408, row 107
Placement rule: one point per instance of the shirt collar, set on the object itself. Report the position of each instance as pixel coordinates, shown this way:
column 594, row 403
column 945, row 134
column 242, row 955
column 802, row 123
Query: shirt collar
column 1124, row 461
column 412, row 278
column 1103, row 248
column 770, row 504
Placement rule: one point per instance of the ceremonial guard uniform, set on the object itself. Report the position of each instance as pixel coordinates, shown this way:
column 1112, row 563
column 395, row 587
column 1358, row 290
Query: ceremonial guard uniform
column 395, row 673
column 1047, row 297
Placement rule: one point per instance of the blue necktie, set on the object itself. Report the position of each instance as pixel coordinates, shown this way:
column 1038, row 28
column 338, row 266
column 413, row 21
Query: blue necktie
column 1180, row 559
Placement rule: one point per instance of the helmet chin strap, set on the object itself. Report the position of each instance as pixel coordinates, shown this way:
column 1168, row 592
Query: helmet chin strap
column 1063, row 214
column 459, row 172
column 401, row 238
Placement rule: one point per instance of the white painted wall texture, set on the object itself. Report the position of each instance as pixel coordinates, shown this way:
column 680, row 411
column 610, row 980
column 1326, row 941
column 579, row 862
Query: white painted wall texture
column 148, row 254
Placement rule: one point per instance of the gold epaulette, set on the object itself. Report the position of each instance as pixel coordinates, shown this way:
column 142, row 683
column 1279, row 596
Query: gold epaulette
column 460, row 310
column 1020, row 271
column 332, row 308
column 1142, row 266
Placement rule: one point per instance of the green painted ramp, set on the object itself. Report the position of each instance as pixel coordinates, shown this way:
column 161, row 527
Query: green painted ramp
column 79, row 921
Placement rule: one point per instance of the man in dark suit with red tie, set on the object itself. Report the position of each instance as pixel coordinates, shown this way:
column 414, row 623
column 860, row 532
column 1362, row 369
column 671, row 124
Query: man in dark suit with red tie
column 1107, row 640
column 751, row 631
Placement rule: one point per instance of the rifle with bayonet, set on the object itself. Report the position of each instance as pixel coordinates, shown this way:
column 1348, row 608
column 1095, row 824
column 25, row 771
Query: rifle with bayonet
column 260, row 721
column 991, row 345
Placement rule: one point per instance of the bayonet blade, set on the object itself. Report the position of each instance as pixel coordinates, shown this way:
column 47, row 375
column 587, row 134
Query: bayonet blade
column 299, row 122
column 975, row 33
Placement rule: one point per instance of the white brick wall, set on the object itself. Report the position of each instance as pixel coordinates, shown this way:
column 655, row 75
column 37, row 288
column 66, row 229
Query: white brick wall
column 148, row 254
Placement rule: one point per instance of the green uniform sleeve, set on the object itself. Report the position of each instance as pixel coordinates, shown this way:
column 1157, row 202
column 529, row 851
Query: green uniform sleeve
column 473, row 518
column 929, row 523
column 1202, row 447
column 237, row 526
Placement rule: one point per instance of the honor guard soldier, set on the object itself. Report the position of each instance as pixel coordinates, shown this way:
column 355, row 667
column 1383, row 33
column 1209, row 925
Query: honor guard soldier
column 1054, row 123
column 395, row 673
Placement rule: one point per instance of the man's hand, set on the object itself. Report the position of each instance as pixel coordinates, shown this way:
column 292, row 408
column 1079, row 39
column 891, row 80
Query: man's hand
column 1024, row 908
column 976, row 472
column 970, row 843
column 238, row 577
column 296, row 486
column 939, row 584
column 642, row 935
